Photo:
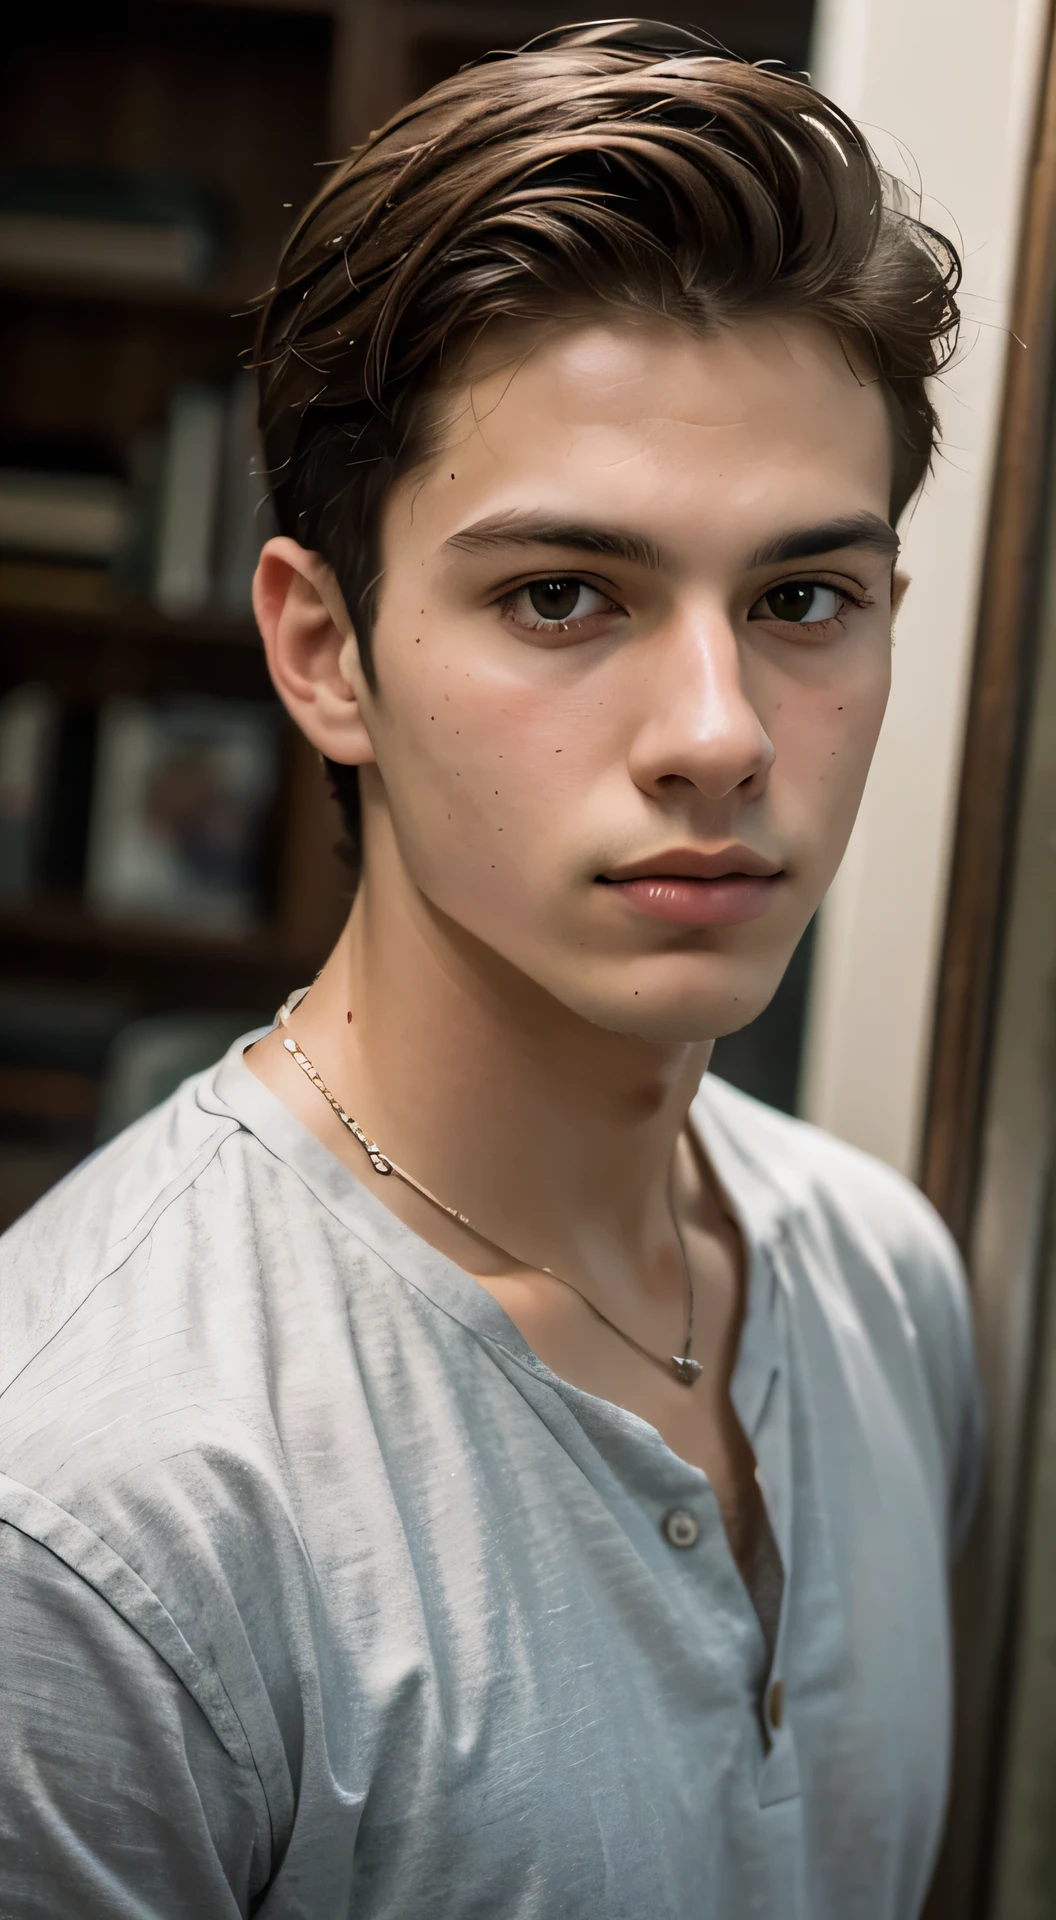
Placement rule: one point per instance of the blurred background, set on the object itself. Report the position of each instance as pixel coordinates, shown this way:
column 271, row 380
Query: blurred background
column 167, row 849
column 166, row 845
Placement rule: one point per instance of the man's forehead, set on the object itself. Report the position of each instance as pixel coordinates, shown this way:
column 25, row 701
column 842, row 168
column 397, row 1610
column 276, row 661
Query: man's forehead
column 673, row 462
column 615, row 371
column 759, row 405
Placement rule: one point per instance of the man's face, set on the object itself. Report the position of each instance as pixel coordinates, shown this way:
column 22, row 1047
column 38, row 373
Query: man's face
column 632, row 654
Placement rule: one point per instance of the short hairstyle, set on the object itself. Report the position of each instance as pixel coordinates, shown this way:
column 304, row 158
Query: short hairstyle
column 624, row 165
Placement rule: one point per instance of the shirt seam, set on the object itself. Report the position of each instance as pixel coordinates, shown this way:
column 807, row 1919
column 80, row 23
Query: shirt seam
column 32, row 1501
column 122, row 1250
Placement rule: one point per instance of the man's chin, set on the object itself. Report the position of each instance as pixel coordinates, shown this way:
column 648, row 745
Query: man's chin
column 673, row 1017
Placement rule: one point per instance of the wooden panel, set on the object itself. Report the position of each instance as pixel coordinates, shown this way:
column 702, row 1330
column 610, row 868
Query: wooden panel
column 1004, row 658
column 755, row 29
column 391, row 50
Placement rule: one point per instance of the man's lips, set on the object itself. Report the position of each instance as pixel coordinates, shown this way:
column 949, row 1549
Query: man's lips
column 694, row 889
column 700, row 903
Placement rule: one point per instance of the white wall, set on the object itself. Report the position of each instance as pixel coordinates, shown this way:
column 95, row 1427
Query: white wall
column 954, row 84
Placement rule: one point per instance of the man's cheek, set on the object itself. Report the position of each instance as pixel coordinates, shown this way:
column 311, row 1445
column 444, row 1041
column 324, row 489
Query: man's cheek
column 453, row 818
column 828, row 742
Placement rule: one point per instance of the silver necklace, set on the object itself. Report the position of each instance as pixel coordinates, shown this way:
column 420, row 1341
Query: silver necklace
column 685, row 1369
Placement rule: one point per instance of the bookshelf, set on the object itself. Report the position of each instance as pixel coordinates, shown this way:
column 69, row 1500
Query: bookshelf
column 206, row 124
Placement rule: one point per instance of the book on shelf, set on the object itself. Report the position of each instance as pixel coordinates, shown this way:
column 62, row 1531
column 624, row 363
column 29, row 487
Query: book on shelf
column 107, row 229
column 28, row 735
column 189, row 496
column 182, row 796
column 213, row 511
column 51, row 587
column 181, row 528
column 75, row 516
column 246, row 517
column 135, row 568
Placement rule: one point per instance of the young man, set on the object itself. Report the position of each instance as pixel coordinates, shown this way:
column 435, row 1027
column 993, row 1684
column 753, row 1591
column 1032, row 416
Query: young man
column 459, row 1463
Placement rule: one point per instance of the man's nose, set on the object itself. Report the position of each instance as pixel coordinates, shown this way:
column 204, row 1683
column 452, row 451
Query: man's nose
column 698, row 722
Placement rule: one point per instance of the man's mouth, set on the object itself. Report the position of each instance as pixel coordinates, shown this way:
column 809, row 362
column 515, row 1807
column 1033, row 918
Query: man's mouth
column 696, row 889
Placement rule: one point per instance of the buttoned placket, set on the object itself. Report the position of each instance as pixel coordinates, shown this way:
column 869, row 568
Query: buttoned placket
column 759, row 1391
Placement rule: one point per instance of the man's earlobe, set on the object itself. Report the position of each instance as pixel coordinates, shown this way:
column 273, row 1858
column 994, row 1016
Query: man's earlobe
column 311, row 649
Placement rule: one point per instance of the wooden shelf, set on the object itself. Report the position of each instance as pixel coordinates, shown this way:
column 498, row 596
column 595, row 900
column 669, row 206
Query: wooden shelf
column 135, row 650
column 69, row 923
column 162, row 964
column 135, row 620
column 215, row 300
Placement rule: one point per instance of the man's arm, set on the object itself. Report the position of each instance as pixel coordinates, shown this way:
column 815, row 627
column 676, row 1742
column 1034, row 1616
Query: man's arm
column 117, row 1800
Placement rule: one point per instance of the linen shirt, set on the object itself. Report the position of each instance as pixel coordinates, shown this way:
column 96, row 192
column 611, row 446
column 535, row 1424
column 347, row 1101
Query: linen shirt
column 321, row 1596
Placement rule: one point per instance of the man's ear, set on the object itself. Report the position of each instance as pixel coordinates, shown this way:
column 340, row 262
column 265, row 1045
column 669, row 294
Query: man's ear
column 311, row 648
column 899, row 583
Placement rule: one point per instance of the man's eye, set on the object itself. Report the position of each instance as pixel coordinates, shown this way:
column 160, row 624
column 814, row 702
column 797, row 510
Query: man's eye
column 803, row 602
column 555, row 602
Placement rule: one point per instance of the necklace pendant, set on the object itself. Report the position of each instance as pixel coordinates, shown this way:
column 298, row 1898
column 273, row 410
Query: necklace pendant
column 686, row 1370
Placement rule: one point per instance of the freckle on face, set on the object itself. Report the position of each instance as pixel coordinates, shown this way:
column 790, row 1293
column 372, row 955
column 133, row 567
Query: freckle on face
column 531, row 916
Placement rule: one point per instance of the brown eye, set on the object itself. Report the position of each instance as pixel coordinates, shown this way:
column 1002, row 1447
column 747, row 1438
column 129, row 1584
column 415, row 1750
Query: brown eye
column 558, row 606
column 555, row 599
column 802, row 602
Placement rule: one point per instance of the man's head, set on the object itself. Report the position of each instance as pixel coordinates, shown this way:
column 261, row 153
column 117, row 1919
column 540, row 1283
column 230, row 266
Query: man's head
column 596, row 382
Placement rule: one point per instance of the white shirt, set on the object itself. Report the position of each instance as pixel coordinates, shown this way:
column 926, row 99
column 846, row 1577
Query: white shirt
column 322, row 1596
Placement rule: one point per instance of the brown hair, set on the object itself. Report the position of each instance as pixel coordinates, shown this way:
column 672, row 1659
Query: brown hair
column 625, row 164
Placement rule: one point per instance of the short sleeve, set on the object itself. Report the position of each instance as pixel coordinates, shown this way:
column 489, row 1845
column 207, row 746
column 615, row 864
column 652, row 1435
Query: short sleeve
column 117, row 1799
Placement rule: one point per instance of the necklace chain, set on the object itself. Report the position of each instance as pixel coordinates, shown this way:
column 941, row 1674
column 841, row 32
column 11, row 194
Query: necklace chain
column 685, row 1369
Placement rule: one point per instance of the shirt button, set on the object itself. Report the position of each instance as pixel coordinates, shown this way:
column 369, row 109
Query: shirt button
column 777, row 1705
column 680, row 1528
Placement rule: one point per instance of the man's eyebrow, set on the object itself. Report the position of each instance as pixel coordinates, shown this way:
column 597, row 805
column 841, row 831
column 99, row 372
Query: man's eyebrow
column 514, row 529
column 829, row 536
column 536, row 530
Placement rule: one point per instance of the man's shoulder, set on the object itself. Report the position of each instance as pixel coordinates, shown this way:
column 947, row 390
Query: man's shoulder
column 138, row 1445
column 857, row 1196
column 138, row 1355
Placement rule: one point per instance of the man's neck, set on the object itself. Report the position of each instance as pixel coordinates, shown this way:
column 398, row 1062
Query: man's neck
column 554, row 1136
